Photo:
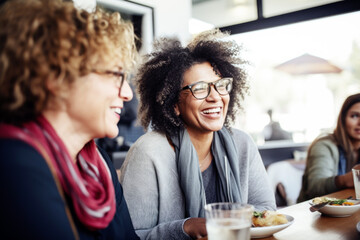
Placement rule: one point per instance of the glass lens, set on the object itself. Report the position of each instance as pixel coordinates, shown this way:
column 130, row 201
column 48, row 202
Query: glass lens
column 200, row 90
column 223, row 86
column 119, row 78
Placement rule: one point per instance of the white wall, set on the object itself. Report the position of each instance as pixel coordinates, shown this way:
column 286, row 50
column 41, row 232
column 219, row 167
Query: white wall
column 88, row 5
column 171, row 17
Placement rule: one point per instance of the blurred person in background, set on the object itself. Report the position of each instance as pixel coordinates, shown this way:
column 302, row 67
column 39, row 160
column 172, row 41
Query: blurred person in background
column 331, row 157
column 62, row 84
column 189, row 96
column 273, row 131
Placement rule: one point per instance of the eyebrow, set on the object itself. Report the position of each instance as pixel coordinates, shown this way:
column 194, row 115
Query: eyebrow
column 354, row 111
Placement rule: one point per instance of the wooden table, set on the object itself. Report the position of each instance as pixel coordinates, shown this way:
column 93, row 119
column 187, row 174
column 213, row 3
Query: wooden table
column 314, row 226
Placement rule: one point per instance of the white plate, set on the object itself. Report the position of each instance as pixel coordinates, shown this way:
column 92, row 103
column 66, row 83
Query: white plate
column 340, row 211
column 262, row 232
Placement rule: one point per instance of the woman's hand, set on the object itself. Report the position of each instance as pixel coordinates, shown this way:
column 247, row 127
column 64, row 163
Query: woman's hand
column 195, row 227
column 346, row 180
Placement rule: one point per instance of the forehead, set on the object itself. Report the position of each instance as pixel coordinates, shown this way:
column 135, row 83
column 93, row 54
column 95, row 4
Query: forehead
column 200, row 72
column 106, row 63
column 354, row 108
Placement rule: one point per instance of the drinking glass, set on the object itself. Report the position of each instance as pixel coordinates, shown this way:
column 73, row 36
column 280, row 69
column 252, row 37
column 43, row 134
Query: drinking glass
column 356, row 176
column 228, row 221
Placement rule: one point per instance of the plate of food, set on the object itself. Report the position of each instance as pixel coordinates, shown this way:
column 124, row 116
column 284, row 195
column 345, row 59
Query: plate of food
column 336, row 207
column 266, row 223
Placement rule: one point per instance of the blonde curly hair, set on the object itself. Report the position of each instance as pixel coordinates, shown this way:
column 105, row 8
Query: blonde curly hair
column 44, row 41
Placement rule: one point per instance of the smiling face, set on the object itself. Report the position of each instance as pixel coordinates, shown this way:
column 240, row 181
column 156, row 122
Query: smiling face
column 95, row 104
column 352, row 123
column 206, row 115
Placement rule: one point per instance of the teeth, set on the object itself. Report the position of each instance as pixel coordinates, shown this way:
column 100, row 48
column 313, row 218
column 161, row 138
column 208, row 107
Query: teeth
column 213, row 110
column 117, row 110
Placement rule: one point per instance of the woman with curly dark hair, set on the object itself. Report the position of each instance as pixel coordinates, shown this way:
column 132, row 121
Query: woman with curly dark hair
column 62, row 84
column 189, row 96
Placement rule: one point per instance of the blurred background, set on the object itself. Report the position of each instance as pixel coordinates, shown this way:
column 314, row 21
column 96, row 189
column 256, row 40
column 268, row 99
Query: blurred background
column 305, row 94
column 303, row 61
column 304, row 56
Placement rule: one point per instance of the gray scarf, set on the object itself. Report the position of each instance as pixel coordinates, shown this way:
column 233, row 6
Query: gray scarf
column 225, row 155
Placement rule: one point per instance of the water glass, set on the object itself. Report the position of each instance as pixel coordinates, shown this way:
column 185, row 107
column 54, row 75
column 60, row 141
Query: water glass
column 228, row 221
column 356, row 176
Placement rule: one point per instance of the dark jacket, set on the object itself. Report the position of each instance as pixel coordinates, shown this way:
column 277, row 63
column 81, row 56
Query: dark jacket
column 31, row 206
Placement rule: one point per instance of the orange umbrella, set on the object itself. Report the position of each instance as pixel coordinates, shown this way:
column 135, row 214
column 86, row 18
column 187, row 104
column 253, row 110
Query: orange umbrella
column 308, row 64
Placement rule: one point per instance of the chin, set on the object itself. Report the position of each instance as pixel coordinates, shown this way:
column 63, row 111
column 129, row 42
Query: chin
column 112, row 133
column 217, row 128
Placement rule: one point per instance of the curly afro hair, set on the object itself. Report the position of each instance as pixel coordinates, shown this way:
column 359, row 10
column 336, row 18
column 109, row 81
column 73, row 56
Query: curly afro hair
column 160, row 78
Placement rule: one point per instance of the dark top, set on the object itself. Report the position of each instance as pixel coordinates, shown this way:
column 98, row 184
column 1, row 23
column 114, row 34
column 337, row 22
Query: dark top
column 211, row 181
column 32, row 208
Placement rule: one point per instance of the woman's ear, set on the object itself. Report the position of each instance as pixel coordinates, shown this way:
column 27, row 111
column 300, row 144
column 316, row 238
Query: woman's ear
column 58, row 94
column 176, row 109
column 51, row 86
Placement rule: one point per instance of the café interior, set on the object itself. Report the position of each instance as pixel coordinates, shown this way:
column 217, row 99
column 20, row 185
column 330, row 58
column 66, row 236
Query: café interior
column 303, row 61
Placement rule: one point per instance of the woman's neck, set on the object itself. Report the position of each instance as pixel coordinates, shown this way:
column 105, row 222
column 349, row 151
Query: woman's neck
column 202, row 144
column 67, row 131
column 356, row 145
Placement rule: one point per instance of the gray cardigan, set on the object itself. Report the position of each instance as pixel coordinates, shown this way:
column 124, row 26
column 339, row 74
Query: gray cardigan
column 321, row 169
column 151, row 185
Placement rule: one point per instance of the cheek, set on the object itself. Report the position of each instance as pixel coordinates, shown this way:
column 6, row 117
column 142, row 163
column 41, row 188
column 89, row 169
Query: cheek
column 226, row 102
column 349, row 125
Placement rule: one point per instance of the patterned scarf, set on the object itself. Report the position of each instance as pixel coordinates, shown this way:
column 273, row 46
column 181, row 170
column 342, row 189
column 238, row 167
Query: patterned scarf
column 88, row 183
column 225, row 155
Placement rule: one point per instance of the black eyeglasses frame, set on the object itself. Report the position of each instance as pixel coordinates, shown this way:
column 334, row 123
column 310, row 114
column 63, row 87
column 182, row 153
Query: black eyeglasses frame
column 209, row 87
column 118, row 74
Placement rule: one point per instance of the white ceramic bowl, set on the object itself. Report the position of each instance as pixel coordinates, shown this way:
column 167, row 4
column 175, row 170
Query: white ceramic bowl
column 340, row 211
column 262, row 232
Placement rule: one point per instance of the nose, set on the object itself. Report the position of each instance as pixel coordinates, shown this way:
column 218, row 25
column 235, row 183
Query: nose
column 213, row 95
column 125, row 92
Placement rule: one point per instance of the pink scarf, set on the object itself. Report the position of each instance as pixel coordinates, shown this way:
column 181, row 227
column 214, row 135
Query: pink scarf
column 88, row 183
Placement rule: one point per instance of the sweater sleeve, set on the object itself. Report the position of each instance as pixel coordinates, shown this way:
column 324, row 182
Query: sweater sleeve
column 30, row 200
column 260, row 193
column 254, row 182
column 142, row 187
column 321, row 169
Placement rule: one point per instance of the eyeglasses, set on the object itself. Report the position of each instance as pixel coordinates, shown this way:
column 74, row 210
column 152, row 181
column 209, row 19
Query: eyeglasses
column 201, row 90
column 120, row 77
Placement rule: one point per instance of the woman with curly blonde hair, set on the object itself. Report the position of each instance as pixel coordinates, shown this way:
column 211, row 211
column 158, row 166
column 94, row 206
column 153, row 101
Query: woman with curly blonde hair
column 189, row 96
column 62, row 84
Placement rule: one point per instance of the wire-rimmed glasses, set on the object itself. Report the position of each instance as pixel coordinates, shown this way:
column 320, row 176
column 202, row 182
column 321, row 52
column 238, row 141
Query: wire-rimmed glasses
column 201, row 90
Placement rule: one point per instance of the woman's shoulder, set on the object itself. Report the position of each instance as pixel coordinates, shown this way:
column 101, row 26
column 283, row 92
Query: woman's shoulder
column 17, row 151
column 325, row 140
column 25, row 170
column 148, row 147
column 150, row 139
column 238, row 132
column 242, row 137
column 324, row 145
column 153, row 135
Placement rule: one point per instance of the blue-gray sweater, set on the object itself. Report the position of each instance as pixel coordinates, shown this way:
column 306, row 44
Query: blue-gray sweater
column 156, row 203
